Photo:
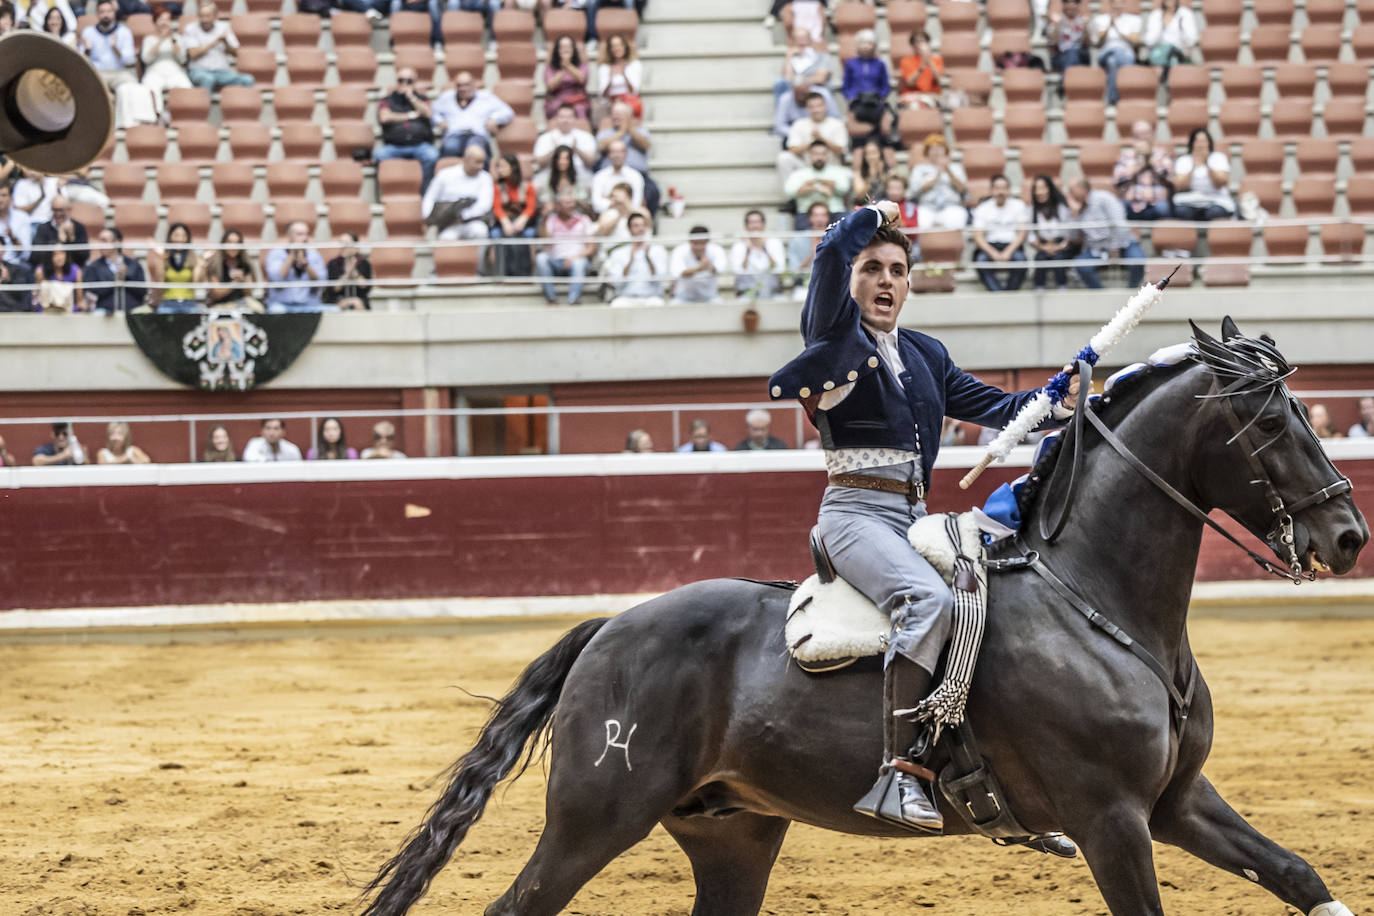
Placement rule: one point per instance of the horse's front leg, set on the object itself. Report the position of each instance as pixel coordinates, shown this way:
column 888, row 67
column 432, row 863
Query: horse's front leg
column 1198, row 820
column 1116, row 844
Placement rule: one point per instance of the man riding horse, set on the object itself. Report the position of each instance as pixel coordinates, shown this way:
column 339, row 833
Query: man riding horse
column 878, row 396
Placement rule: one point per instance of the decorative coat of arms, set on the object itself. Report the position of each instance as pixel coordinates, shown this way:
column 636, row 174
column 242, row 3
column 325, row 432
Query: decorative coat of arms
column 223, row 349
column 226, row 346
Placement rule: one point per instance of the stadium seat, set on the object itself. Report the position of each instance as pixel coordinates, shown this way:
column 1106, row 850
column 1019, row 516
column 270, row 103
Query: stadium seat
column 1268, row 191
column 455, row 261
column 957, row 16
column 459, row 27
column 300, row 140
column 259, row 63
column 944, row 248
column 287, row 180
column 352, row 136
column 240, row 103
column 1137, row 84
column 398, row 179
column 1362, row 39
column 1041, row 159
column 1345, row 79
column 141, row 25
column 1291, row 117
column 198, row 142
column 1262, row 158
column 1359, row 195
column 1024, row 123
column 306, row 66
column 249, row 141
column 145, row 142
column 232, row 180
column 971, row 125
column 1273, row 12
column 1023, row 84
column 124, row 180
column 1127, row 113
column 518, row 136
column 1167, row 235
column 1185, row 115
column 137, row 220
column 1084, row 120
column 611, row 20
column 1344, row 117
column 300, row 30
column 341, row 178
column 518, row 94
column 194, row 214
column 1321, row 43
column 1362, row 155
column 898, row 47
column 513, row 25
column 1004, row 43
column 1269, row 44
column 1085, row 84
column 974, row 83
column 1295, row 80
column 983, row 160
column 1285, row 241
column 905, row 16
column 1188, row 82
column 177, row 181
column 559, row 22
column 847, row 17
column 244, row 215
column 1239, row 119
column 272, row 7
column 89, row 215
column 357, row 67
column 1008, row 15
column 962, row 49
column 293, row 103
column 252, row 30
column 1242, row 82
column 1225, row 239
column 348, row 214
column 411, row 29
column 1324, row 12
column 516, row 60
column 393, row 263
column 1342, row 241
column 1220, row 45
column 914, row 124
column 1097, row 160
column 349, row 30
column 346, row 101
column 188, row 105
column 286, row 212
column 1314, row 195
column 1222, row 13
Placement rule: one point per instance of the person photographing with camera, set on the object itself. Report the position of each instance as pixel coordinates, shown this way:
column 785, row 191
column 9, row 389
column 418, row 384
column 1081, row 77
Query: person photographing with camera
column 297, row 268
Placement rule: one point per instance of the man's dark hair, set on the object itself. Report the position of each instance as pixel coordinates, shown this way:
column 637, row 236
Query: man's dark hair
column 60, row 428
column 812, row 95
column 567, row 106
column 758, row 213
column 103, row 2
column 888, row 234
column 822, row 204
column 698, row 230
column 634, row 215
column 266, row 420
column 820, row 143
column 114, row 230
column 994, row 179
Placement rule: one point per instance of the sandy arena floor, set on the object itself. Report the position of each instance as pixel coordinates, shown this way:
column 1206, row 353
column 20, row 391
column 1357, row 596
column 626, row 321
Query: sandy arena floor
column 271, row 777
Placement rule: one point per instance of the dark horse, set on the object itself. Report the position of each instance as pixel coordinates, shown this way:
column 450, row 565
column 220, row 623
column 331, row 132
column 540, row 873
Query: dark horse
column 687, row 711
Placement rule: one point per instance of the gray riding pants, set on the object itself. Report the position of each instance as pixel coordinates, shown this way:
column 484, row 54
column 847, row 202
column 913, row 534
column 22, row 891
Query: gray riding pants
column 865, row 533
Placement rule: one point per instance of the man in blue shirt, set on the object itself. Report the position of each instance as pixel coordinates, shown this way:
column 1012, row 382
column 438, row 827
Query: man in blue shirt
column 110, row 46
column 878, row 396
column 866, row 87
column 300, row 269
column 113, row 281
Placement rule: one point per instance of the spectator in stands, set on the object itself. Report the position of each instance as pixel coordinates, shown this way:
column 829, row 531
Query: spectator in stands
column 293, row 263
column 618, row 78
column 270, row 444
column 808, row 14
column 113, row 281
column 563, row 172
column 218, row 446
column 806, row 71
column 1051, row 236
column 1170, row 35
column 759, row 423
column 563, row 131
column 816, row 127
column 407, row 132
column 16, row 231
column 61, row 229
column 938, row 186
column 231, row 264
column 637, row 442
column 696, row 266
column 514, row 207
column 1320, row 418
column 1364, row 429
column 1144, row 175
column 636, row 269
column 1116, row 35
column 59, row 282
column 822, row 180
column 39, row 10
column 1066, row 32
column 895, row 189
column 210, row 45
column 1109, row 238
column 13, row 276
column 920, row 73
column 164, row 58
column 459, row 200
column 7, row 459
column 33, row 193
column 110, row 46
column 350, row 277
column 333, row 444
column 175, row 264
column 999, row 232
column 756, row 260
column 464, row 115
column 616, row 172
column 62, row 449
column 119, row 446
column 6, row 17
column 699, row 439
column 1202, row 180
column 626, row 128
column 801, row 251
column 78, row 187
column 866, row 87
column 571, row 248
column 55, row 24
column 565, row 79
column 613, row 224
column 383, row 442
column 871, row 171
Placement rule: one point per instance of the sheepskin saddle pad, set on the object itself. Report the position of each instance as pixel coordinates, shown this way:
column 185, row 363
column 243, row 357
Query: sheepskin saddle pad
column 832, row 624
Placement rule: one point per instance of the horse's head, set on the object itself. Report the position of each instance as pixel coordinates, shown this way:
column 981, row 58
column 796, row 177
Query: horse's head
column 1264, row 465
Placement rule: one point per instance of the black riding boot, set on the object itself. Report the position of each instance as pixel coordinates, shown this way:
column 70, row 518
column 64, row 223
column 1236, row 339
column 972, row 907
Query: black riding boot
column 899, row 796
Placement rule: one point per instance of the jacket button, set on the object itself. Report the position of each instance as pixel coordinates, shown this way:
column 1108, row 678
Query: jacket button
column 828, row 385
column 873, row 362
column 853, row 374
column 805, row 392
column 777, row 392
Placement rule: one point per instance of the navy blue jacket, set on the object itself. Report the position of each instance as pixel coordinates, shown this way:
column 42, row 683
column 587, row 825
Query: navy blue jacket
column 123, row 298
column 878, row 413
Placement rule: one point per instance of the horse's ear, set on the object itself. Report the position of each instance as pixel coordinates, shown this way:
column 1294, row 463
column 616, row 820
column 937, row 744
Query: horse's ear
column 1229, row 331
column 1199, row 334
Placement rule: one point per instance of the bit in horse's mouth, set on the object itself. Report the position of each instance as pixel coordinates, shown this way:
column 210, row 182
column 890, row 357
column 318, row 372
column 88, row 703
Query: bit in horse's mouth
column 1314, row 563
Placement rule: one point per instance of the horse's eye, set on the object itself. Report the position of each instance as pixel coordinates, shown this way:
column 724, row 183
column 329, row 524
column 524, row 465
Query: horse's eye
column 1270, row 425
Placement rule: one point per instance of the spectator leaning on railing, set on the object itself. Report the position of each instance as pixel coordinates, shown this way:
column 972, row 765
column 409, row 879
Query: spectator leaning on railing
column 119, row 446
column 756, row 260
column 383, row 443
column 1364, row 428
column 699, row 439
column 113, row 281
column 231, row 264
column 209, row 44
column 175, row 264
column 333, row 444
column 218, row 446
column 759, row 424
column 300, row 266
column 350, row 277
column 7, row 459
column 62, row 449
column 271, row 444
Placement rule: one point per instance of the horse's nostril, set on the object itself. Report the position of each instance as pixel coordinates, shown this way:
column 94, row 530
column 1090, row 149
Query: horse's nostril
column 1350, row 541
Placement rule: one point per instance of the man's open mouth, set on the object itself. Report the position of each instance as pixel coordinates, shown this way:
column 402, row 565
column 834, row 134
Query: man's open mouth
column 883, row 299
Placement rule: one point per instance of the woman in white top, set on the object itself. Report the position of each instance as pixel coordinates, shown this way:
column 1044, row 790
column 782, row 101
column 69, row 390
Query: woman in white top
column 1052, row 236
column 55, row 24
column 938, row 187
column 1170, row 34
column 164, row 58
column 38, row 18
column 1203, row 179
column 619, row 78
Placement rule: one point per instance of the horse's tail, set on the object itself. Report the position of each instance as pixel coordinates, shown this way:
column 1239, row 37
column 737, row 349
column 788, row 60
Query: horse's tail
column 522, row 713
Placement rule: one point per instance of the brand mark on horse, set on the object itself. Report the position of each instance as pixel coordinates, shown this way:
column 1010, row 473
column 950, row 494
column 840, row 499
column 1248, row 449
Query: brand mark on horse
column 613, row 729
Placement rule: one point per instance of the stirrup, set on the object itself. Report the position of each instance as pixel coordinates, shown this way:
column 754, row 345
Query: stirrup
column 884, row 802
column 1053, row 844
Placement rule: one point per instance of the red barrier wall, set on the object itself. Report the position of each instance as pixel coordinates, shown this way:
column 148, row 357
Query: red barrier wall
column 84, row 546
